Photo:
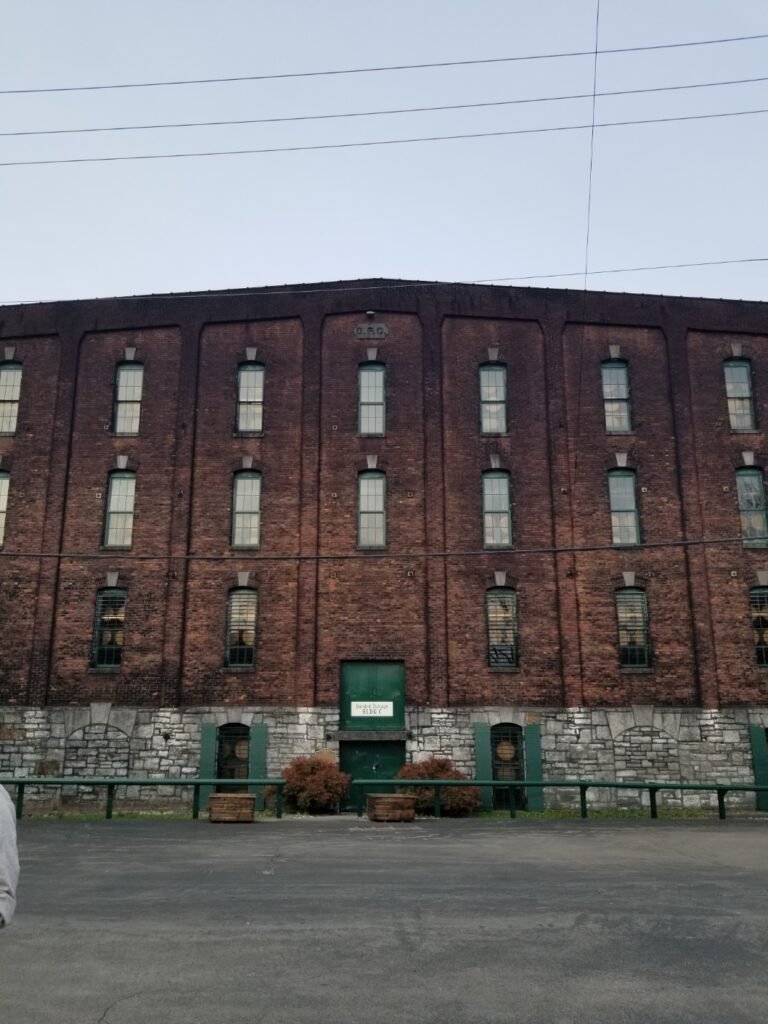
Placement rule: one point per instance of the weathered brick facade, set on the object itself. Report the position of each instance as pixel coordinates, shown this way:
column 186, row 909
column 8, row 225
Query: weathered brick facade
column 421, row 599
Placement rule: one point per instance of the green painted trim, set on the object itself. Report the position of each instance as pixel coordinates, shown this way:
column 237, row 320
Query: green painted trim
column 257, row 760
column 207, row 769
column 758, row 736
column 484, row 761
column 533, row 769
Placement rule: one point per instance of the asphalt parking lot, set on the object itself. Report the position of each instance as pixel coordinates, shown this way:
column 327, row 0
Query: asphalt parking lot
column 447, row 922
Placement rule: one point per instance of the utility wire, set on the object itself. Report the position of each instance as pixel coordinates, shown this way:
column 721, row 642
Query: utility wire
column 377, row 142
column 390, row 67
column 120, row 556
column 379, row 113
column 399, row 286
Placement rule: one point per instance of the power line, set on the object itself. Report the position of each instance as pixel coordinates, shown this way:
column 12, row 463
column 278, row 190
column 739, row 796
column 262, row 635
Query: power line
column 399, row 286
column 390, row 67
column 376, row 142
column 379, row 113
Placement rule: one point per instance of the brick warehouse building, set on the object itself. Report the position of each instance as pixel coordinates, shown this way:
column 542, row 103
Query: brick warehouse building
column 522, row 528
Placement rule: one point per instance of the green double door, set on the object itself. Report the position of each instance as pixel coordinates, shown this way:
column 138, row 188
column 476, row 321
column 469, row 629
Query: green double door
column 372, row 720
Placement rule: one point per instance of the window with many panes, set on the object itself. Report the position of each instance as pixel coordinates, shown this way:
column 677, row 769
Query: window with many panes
column 250, row 398
column 634, row 637
column 497, row 510
column 109, row 629
column 738, row 391
column 493, row 399
column 371, row 404
column 246, row 510
column 501, row 617
column 241, row 627
column 129, row 386
column 750, row 488
column 118, row 522
column 758, row 604
column 371, row 510
column 625, row 521
column 4, row 486
column 10, row 389
column 618, row 417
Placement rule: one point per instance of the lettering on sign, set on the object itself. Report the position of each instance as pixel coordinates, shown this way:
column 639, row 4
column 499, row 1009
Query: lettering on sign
column 372, row 708
column 369, row 331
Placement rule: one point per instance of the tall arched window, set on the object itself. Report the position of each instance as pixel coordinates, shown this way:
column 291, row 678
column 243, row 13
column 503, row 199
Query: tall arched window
column 371, row 399
column 501, row 617
column 758, row 604
column 246, row 510
column 625, row 521
column 634, row 637
column 118, row 521
column 241, row 627
column 738, row 391
column 250, row 398
column 5, row 482
column 372, row 510
column 109, row 628
column 497, row 509
column 618, row 415
column 493, row 399
column 129, row 387
column 10, row 390
column 750, row 487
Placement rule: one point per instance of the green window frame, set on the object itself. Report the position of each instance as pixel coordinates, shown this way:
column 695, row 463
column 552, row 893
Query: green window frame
column 126, row 408
column 372, row 509
column 246, row 509
column 10, row 394
column 372, row 409
column 497, row 509
column 493, row 399
column 250, row 398
column 109, row 629
column 634, row 633
column 750, row 489
column 622, row 498
column 5, row 483
column 119, row 515
column 502, row 628
column 616, row 397
column 739, row 395
column 242, row 607
column 758, row 606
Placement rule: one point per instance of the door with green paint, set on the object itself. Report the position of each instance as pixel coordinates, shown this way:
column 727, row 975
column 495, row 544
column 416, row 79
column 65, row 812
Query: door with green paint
column 381, row 759
column 372, row 695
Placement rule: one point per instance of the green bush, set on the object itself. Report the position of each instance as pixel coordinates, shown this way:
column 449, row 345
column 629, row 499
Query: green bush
column 314, row 786
column 455, row 801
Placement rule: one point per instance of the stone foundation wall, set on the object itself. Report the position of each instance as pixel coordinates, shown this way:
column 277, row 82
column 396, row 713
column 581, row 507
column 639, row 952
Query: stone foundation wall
column 642, row 742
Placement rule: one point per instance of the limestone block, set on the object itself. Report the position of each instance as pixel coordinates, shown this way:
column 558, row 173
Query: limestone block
column 100, row 713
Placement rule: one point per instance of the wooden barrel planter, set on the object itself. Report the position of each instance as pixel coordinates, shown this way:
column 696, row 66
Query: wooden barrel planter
column 231, row 807
column 390, row 807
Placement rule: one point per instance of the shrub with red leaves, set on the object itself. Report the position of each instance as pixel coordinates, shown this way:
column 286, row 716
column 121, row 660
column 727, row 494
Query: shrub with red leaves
column 455, row 801
column 314, row 786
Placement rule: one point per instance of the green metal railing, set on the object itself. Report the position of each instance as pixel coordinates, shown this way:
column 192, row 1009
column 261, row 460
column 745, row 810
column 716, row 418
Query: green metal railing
column 113, row 784
column 358, row 788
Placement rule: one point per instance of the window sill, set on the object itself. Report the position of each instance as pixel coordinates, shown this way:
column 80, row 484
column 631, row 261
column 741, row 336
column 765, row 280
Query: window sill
column 498, row 547
column 370, row 547
column 507, row 671
column 239, row 669
column 247, row 433
column 245, row 547
column 494, row 433
column 115, row 547
column 748, row 430
column 636, row 670
column 620, row 433
column 105, row 670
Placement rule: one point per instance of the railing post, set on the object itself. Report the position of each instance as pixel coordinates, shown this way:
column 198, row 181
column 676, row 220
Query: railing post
column 437, row 801
column 721, row 791
column 652, row 791
column 110, row 799
column 279, row 801
column 512, row 802
column 359, row 798
column 583, row 799
column 19, row 800
column 196, row 801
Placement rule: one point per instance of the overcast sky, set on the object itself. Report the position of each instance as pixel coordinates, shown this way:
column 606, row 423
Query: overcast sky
column 462, row 210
